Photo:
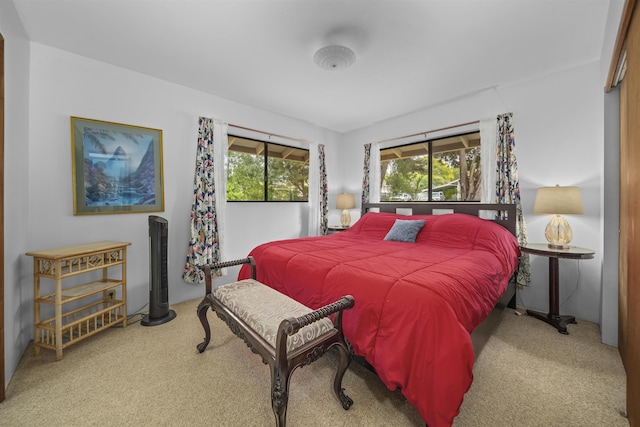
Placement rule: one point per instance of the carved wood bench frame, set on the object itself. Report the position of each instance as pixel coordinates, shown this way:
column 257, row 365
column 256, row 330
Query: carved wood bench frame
column 282, row 363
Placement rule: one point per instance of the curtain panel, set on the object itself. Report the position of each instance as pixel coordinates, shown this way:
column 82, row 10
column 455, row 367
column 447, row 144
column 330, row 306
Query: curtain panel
column 366, row 183
column 508, row 187
column 324, row 192
column 208, row 206
column 318, row 191
column 488, row 159
column 371, row 173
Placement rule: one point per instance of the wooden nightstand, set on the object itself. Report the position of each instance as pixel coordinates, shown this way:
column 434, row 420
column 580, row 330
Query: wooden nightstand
column 542, row 249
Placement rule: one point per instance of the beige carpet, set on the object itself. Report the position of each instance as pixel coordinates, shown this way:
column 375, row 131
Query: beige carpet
column 527, row 375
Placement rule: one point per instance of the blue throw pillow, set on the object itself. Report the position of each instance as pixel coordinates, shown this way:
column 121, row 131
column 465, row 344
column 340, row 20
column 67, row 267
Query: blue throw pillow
column 405, row 230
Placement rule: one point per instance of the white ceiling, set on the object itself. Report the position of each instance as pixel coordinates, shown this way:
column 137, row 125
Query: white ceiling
column 411, row 54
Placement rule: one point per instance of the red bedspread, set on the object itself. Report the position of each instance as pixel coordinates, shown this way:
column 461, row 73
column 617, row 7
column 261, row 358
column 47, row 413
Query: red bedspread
column 415, row 303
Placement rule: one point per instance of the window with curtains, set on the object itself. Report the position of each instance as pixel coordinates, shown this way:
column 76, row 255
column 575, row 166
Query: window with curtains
column 443, row 169
column 263, row 171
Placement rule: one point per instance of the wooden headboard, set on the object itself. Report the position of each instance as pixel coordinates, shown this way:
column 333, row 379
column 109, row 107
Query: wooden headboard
column 437, row 208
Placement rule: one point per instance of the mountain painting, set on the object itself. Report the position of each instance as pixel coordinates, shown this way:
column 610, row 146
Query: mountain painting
column 121, row 168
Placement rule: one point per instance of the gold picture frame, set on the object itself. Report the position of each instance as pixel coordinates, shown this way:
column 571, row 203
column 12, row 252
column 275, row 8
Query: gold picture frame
column 117, row 168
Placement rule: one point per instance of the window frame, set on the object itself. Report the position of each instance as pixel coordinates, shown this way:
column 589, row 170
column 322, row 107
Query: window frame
column 430, row 153
column 265, row 175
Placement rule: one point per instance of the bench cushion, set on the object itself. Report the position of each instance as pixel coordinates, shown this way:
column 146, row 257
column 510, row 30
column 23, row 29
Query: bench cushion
column 263, row 308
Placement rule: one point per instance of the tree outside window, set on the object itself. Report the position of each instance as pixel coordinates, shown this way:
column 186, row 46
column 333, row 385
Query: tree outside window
column 264, row 171
column 436, row 170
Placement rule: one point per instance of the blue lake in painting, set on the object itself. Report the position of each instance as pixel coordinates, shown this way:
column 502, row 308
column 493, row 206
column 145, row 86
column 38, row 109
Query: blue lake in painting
column 118, row 168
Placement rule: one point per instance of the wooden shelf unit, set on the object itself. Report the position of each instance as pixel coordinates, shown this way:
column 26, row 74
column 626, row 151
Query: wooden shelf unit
column 98, row 313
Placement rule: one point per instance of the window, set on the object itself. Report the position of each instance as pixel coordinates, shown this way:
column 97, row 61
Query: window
column 436, row 170
column 264, row 171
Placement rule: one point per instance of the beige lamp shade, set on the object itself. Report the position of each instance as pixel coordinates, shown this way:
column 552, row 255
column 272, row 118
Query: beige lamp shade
column 345, row 201
column 556, row 201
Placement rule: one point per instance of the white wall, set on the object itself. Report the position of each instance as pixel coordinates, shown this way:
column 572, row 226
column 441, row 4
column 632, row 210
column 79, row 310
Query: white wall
column 64, row 85
column 560, row 133
column 17, row 290
column 610, row 194
column 559, row 138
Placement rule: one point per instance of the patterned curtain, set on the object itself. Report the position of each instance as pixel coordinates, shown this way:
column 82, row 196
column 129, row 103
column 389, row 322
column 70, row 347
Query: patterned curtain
column 318, row 206
column 204, row 244
column 365, row 174
column 508, row 188
column 324, row 204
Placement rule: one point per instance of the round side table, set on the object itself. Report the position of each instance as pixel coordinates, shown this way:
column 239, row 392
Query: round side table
column 553, row 317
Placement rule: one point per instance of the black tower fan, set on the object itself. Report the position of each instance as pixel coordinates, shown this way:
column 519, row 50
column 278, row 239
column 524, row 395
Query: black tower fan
column 159, row 312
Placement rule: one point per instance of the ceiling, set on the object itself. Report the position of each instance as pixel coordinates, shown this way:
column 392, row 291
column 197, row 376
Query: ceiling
column 411, row 54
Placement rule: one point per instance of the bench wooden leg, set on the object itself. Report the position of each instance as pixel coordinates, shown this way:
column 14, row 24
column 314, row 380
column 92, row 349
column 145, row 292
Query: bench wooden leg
column 345, row 359
column 204, row 305
column 280, row 394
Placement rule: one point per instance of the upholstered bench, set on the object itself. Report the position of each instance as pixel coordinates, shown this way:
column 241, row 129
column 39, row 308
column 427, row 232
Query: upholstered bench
column 284, row 332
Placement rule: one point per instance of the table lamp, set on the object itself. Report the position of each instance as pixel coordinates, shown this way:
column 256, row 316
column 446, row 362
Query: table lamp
column 557, row 201
column 345, row 201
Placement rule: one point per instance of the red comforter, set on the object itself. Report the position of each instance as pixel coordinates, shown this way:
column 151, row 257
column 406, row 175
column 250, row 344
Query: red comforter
column 415, row 303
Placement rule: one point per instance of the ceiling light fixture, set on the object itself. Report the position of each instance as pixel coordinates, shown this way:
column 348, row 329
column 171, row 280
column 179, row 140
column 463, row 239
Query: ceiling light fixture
column 334, row 57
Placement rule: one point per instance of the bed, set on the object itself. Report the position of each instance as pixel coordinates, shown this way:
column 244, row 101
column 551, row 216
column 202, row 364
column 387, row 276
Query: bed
column 417, row 304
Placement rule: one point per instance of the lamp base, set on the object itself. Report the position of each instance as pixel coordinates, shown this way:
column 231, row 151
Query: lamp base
column 345, row 218
column 558, row 233
column 552, row 246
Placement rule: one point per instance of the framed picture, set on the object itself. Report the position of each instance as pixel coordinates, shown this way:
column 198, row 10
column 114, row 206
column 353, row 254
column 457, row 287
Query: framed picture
column 116, row 168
